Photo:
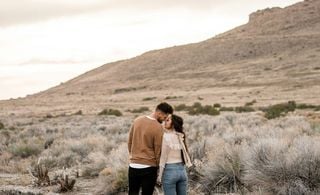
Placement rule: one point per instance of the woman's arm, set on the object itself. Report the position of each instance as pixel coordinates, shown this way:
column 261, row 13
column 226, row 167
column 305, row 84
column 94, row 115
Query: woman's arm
column 163, row 158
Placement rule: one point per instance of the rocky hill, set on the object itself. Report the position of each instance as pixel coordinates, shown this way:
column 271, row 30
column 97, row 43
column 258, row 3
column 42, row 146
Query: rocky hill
column 275, row 57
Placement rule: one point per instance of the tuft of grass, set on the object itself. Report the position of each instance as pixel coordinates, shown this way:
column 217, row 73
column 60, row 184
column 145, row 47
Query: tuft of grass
column 110, row 112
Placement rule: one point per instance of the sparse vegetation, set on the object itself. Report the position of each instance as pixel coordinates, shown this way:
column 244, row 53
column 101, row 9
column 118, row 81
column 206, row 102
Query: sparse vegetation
column 180, row 107
column 140, row 110
column 1, row 125
column 244, row 109
column 306, row 106
column 110, row 112
column 251, row 103
column 197, row 108
column 239, row 153
column 172, row 97
column 226, row 109
column 149, row 98
column 217, row 105
column 278, row 110
column 79, row 112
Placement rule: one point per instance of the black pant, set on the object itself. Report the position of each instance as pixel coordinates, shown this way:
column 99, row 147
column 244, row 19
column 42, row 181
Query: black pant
column 142, row 178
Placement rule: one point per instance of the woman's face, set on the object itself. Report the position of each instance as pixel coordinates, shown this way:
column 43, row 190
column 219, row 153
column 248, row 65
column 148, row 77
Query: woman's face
column 168, row 122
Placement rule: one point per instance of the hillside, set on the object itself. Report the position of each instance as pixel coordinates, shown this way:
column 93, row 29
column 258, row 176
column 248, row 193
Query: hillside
column 275, row 57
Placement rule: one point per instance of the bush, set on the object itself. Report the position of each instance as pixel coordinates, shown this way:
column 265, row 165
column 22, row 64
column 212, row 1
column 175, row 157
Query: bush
column 278, row 110
column 282, row 167
column 79, row 112
column 197, row 108
column 216, row 105
column 226, row 109
column 251, row 103
column 1, row 125
column 139, row 110
column 225, row 173
column 181, row 107
column 244, row 109
column 149, row 98
column 172, row 97
column 110, row 112
column 306, row 106
column 25, row 150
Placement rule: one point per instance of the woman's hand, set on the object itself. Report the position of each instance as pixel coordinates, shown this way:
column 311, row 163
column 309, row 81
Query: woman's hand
column 158, row 181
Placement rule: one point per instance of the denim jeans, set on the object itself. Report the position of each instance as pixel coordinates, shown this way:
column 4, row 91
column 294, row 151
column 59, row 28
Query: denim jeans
column 175, row 179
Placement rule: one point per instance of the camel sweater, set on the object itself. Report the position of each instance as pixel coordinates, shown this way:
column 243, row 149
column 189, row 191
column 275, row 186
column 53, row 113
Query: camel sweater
column 144, row 143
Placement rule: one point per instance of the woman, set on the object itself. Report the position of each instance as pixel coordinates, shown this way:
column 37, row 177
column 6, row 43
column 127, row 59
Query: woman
column 174, row 158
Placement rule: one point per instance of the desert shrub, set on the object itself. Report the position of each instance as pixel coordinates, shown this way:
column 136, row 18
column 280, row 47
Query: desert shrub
column 49, row 115
column 278, row 110
column 306, row 106
column 197, row 108
column 284, row 167
column 117, row 176
column 226, row 109
column 149, row 98
column 244, row 109
column 140, row 110
column 224, row 173
column 317, row 108
column 250, row 103
column 123, row 90
column 172, row 97
column 1, row 125
column 79, row 112
column 110, row 112
column 217, row 105
column 24, row 150
column 180, row 107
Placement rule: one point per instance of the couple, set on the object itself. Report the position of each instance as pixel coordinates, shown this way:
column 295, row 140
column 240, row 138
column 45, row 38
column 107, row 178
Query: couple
column 156, row 141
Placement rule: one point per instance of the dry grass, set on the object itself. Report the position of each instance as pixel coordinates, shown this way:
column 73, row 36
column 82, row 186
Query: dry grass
column 232, row 152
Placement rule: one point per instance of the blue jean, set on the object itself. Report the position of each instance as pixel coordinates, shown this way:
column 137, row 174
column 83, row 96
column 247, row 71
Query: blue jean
column 175, row 179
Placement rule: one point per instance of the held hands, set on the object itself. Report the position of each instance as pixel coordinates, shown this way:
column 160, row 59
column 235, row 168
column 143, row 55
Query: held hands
column 158, row 181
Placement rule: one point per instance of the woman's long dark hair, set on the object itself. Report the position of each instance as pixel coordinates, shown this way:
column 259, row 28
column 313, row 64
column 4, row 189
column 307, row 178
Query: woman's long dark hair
column 177, row 123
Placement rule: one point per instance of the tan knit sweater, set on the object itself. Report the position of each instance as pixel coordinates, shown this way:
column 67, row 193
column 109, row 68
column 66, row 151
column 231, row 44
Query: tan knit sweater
column 144, row 143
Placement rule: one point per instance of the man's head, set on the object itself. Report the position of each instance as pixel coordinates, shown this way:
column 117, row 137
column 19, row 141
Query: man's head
column 162, row 111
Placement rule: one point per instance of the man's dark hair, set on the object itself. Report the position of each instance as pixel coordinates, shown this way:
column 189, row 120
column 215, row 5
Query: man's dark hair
column 165, row 108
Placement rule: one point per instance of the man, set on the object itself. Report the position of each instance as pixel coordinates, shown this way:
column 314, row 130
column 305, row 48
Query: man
column 144, row 145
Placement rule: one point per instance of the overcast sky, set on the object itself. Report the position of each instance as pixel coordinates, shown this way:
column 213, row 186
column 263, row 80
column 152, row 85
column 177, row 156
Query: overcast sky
column 46, row 42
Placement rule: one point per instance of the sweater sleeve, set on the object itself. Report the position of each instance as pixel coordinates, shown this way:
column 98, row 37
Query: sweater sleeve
column 158, row 145
column 130, row 138
column 163, row 158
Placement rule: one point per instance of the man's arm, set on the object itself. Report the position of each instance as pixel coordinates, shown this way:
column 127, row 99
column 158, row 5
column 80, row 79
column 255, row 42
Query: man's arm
column 158, row 145
column 130, row 138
